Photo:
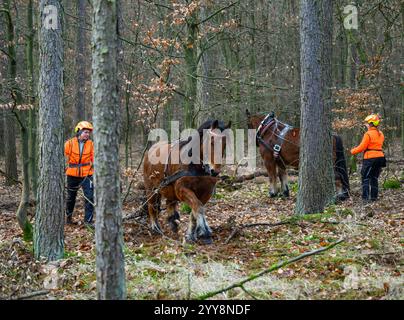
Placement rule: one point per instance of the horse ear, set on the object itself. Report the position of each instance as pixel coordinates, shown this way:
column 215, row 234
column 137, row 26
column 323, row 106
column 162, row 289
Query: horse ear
column 215, row 125
column 228, row 125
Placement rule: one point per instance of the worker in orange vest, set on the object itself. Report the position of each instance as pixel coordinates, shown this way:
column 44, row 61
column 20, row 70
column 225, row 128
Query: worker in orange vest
column 80, row 157
column 373, row 158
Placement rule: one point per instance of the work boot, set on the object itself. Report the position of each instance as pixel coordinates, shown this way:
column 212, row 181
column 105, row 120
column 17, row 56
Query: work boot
column 69, row 220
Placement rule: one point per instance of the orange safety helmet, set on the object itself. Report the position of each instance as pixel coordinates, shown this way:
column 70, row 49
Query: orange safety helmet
column 83, row 125
column 373, row 118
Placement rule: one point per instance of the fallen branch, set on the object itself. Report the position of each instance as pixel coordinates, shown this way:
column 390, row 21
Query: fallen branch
column 383, row 253
column 275, row 267
column 32, row 294
column 227, row 179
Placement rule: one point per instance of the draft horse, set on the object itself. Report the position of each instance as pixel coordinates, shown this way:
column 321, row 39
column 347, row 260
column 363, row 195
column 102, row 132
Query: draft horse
column 279, row 147
column 192, row 183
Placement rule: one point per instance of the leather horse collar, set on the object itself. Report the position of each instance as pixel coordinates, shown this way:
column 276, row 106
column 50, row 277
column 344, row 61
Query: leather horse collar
column 268, row 121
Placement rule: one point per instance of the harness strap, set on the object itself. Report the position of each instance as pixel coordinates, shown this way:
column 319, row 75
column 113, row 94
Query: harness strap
column 78, row 165
column 179, row 174
column 280, row 140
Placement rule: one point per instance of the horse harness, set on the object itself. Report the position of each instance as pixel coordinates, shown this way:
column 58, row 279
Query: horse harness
column 264, row 126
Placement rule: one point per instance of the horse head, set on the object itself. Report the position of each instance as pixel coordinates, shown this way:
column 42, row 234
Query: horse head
column 254, row 121
column 213, row 145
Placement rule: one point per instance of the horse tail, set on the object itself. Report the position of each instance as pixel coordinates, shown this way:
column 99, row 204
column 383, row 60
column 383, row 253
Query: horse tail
column 340, row 165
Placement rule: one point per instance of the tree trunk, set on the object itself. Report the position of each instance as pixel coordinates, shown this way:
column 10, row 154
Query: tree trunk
column 316, row 188
column 22, row 210
column 80, row 83
column 49, row 224
column 191, row 71
column 9, row 125
column 32, row 118
column 106, row 114
column 203, row 66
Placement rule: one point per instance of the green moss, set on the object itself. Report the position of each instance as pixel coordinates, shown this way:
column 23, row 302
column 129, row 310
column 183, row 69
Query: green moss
column 28, row 232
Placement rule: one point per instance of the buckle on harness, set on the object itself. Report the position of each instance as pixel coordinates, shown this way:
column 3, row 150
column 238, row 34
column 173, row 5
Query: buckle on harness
column 277, row 148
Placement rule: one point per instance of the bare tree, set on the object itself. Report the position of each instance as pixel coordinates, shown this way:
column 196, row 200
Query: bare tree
column 316, row 185
column 80, row 62
column 9, row 123
column 49, row 224
column 106, row 114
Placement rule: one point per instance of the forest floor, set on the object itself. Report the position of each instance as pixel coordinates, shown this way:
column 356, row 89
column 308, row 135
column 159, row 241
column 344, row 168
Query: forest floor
column 368, row 264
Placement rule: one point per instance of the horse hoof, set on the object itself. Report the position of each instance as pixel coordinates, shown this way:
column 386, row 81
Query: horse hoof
column 156, row 229
column 272, row 195
column 206, row 240
column 174, row 226
column 285, row 194
column 174, row 221
column 190, row 238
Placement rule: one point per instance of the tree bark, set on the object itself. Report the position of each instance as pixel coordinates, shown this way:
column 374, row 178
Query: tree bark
column 106, row 113
column 80, row 83
column 9, row 124
column 316, row 188
column 49, row 224
column 33, row 117
column 191, row 71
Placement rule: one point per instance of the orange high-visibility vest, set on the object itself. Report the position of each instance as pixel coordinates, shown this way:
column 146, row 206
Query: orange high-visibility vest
column 371, row 144
column 79, row 165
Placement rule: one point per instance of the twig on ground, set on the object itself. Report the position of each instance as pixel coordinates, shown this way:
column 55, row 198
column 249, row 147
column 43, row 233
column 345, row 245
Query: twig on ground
column 275, row 267
column 31, row 295
column 249, row 225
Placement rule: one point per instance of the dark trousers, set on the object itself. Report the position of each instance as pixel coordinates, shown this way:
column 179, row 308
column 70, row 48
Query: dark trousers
column 73, row 185
column 371, row 169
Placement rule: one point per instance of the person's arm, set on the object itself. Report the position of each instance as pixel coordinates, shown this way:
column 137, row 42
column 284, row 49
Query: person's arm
column 363, row 145
column 92, row 152
column 68, row 149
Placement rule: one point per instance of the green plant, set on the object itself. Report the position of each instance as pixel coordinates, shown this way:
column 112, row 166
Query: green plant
column 392, row 184
column 185, row 208
column 294, row 186
column 345, row 212
column 218, row 196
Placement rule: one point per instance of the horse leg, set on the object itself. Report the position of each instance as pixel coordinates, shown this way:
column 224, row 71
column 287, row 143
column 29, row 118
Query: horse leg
column 342, row 194
column 271, row 168
column 283, row 176
column 198, row 226
column 174, row 216
column 154, row 210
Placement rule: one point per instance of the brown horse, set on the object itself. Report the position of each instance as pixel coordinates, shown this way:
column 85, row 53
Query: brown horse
column 279, row 147
column 190, row 181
